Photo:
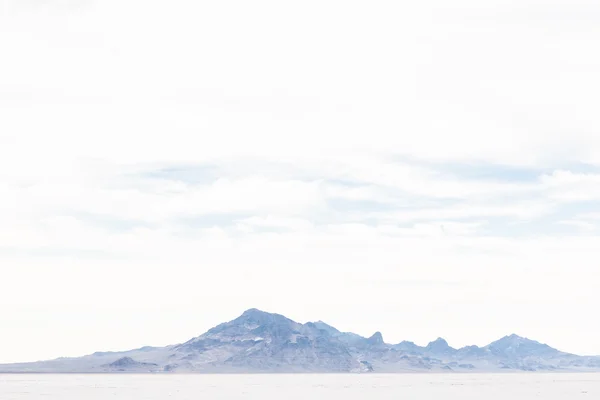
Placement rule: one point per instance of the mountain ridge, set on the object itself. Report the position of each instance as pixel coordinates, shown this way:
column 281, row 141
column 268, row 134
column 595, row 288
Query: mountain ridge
column 263, row 342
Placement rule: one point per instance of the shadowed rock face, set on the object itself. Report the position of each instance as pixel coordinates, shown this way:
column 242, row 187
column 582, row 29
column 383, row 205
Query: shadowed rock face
column 376, row 339
column 515, row 346
column 253, row 325
column 261, row 341
column 349, row 338
column 471, row 353
column 409, row 347
column 128, row 364
column 123, row 362
column 258, row 341
column 439, row 347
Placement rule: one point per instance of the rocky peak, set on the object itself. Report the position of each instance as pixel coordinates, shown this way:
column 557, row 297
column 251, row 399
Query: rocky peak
column 439, row 346
column 253, row 325
column 518, row 346
column 439, row 342
column 511, row 341
column 259, row 315
column 325, row 327
column 254, row 318
column 376, row 339
column 349, row 338
column 409, row 347
column 471, row 352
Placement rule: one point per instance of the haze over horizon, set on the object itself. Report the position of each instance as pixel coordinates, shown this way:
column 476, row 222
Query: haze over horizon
column 424, row 170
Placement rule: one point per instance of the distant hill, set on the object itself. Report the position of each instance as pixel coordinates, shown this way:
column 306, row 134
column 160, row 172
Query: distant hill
column 261, row 342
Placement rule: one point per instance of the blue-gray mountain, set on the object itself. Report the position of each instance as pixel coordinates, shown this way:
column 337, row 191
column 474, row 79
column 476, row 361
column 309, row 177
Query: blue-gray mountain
column 258, row 341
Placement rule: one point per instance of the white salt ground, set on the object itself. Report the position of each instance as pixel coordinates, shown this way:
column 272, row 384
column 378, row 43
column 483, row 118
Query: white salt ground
column 292, row 387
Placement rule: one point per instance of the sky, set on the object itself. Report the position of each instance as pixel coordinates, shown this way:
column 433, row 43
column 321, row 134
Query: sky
column 422, row 169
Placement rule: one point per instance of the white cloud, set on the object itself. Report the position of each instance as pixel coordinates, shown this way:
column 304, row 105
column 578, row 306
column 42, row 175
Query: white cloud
column 569, row 186
column 583, row 225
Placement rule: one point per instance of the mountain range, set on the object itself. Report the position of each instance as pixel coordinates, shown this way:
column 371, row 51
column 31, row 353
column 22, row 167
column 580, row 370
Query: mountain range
column 262, row 342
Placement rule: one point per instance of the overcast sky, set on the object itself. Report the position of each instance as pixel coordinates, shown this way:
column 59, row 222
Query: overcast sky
column 423, row 168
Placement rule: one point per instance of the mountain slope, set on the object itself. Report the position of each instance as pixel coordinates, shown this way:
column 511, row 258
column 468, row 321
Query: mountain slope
column 264, row 342
column 258, row 341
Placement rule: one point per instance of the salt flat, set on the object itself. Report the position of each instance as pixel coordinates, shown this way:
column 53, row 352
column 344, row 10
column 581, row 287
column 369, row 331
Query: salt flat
column 326, row 386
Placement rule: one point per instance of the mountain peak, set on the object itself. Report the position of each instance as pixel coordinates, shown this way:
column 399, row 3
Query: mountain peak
column 326, row 327
column 439, row 345
column 511, row 340
column 407, row 346
column 376, row 339
column 514, row 345
column 254, row 312
column 260, row 317
column 438, row 342
column 253, row 324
